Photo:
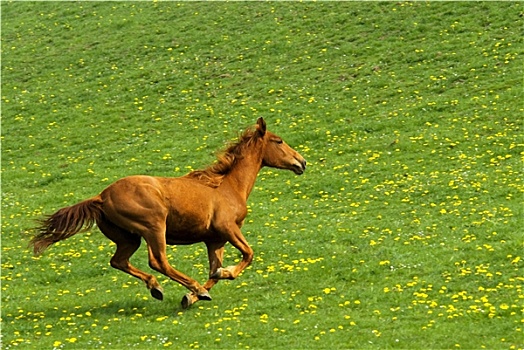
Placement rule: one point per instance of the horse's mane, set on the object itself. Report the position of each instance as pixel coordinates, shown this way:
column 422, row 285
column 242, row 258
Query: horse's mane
column 214, row 174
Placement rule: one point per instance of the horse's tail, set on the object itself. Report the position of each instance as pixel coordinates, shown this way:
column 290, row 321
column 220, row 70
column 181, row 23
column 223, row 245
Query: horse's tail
column 67, row 222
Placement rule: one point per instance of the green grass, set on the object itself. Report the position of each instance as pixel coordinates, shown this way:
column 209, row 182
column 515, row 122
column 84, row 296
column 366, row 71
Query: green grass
column 405, row 231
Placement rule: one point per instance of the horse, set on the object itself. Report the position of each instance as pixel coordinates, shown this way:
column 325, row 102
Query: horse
column 207, row 205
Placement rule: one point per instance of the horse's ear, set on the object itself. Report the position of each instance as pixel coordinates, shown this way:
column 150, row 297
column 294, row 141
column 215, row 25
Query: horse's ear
column 261, row 126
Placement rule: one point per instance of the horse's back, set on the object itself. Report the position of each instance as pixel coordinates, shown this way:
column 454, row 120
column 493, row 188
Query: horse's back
column 179, row 205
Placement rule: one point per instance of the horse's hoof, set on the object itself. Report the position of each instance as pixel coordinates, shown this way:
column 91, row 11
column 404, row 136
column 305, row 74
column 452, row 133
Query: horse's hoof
column 157, row 293
column 204, row 296
column 187, row 300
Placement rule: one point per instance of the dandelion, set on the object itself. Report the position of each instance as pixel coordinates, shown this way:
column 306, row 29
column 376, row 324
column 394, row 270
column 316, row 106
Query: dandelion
column 504, row 306
column 264, row 318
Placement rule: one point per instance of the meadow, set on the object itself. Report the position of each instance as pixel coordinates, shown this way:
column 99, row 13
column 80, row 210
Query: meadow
column 404, row 232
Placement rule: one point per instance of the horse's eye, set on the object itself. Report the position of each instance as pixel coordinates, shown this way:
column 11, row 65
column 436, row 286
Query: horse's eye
column 279, row 141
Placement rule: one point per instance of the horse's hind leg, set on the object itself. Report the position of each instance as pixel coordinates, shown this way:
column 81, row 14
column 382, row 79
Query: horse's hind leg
column 126, row 245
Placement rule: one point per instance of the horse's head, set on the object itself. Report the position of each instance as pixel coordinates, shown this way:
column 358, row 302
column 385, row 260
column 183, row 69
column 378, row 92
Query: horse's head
column 277, row 153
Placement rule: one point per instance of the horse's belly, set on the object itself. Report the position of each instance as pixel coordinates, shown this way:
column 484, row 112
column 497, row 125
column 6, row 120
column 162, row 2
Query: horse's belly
column 190, row 237
column 189, row 229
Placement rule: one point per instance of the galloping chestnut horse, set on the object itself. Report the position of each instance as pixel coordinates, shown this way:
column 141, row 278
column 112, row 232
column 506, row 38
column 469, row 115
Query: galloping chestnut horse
column 206, row 205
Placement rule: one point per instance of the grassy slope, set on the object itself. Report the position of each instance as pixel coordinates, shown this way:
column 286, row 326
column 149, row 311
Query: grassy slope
column 403, row 233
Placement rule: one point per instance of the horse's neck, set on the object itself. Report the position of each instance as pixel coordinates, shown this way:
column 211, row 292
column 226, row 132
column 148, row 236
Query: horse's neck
column 243, row 176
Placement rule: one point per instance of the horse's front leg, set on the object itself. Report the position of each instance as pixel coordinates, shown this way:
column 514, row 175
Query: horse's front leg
column 215, row 253
column 237, row 239
column 158, row 261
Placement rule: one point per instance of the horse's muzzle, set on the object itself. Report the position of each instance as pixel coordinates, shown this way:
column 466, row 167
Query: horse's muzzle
column 299, row 167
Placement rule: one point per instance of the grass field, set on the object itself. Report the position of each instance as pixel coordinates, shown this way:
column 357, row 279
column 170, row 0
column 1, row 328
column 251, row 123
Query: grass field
column 405, row 231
